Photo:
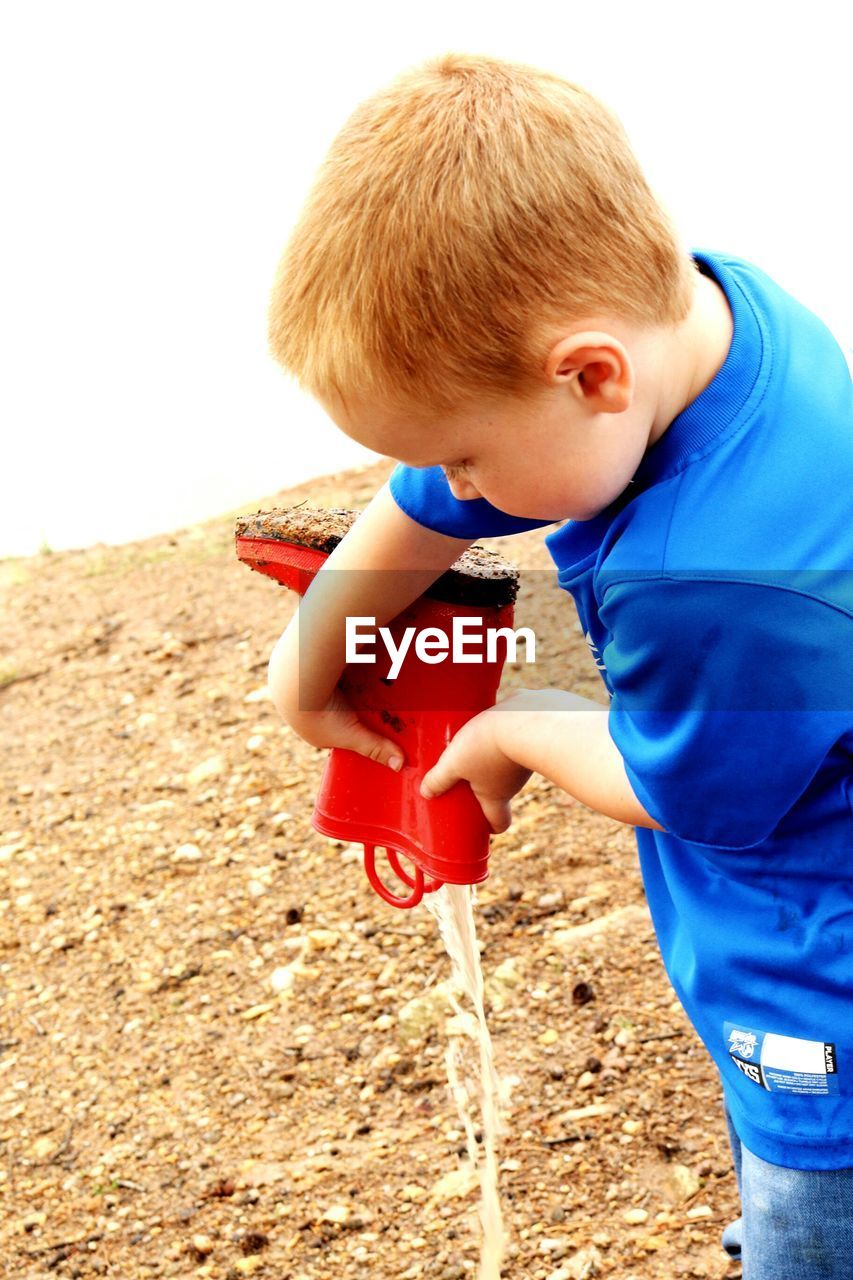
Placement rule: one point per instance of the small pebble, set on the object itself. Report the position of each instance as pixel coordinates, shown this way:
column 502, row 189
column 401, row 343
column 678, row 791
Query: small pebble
column 258, row 695
column 323, row 939
column 282, row 979
column 254, row 1241
column 187, row 853
column 256, row 1011
column 337, row 1213
column 248, row 1266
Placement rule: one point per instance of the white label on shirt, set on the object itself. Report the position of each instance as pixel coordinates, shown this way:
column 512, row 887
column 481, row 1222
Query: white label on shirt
column 782, row 1064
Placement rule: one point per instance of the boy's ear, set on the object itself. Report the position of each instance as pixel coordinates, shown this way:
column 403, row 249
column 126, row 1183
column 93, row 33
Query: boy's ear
column 596, row 368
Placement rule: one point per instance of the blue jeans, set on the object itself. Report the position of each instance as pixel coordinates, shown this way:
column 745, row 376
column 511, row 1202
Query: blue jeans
column 796, row 1224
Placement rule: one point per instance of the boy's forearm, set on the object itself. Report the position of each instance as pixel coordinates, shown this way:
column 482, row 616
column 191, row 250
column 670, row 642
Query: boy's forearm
column 565, row 738
column 384, row 563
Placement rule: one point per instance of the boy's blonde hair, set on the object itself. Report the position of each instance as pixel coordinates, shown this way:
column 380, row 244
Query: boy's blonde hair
column 460, row 214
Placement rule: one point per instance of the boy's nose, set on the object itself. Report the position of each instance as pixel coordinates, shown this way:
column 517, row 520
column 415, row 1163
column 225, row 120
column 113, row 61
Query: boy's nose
column 463, row 490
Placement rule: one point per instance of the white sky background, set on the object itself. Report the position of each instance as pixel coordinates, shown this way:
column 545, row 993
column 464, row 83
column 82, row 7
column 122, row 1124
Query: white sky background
column 156, row 154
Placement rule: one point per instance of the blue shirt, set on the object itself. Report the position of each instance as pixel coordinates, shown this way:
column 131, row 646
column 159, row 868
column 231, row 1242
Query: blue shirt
column 717, row 592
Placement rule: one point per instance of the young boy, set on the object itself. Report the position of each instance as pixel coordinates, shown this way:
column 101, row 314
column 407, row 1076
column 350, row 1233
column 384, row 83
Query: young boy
column 483, row 287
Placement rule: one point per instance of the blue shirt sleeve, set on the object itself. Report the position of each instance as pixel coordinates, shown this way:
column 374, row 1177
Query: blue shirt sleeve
column 727, row 697
column 424, row 494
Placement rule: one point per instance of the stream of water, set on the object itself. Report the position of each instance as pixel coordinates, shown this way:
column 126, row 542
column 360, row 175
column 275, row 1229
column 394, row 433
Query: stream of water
column 474, row 1083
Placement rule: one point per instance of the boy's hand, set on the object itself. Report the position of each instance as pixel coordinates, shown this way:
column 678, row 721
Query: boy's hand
column 338, row 725
column 475, row 756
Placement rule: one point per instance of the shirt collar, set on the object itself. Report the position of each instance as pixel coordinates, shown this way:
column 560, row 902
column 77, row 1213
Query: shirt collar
column 707, row 419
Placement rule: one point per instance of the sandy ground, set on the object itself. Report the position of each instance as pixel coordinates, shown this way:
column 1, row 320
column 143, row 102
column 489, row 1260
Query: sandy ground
column 218, row 1052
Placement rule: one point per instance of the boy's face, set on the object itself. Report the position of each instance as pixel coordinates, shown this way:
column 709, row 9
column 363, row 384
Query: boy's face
column 549, row 459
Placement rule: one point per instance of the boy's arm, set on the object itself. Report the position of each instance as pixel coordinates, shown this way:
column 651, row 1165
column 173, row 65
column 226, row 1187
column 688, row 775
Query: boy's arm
column 384, row 563
column 559, row 735
column 719, row 728
column 566, row 739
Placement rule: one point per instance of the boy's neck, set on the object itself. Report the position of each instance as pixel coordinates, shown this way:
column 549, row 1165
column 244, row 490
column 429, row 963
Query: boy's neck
column 691, row 356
